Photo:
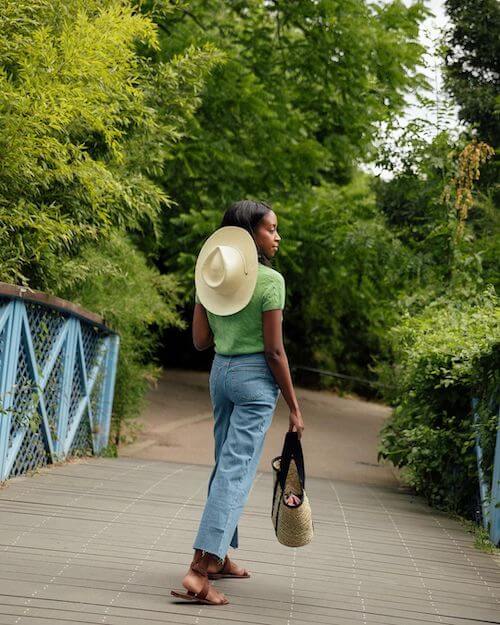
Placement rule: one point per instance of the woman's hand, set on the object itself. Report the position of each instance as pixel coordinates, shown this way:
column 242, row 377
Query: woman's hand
column 296, row 423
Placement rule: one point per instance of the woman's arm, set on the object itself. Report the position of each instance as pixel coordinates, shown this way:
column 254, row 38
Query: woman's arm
column 203, row 337
column 278, row 362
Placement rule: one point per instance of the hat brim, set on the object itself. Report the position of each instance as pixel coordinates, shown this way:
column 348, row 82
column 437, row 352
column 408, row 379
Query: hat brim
column 217, row 303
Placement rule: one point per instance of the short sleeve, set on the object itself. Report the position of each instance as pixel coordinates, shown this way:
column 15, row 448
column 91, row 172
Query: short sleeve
column 196, row 298
column 273, row 297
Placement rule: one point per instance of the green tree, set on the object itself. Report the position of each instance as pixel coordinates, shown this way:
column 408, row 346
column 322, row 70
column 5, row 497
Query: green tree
column 88, row 117
column 86, row 125
column 472, row 64
column 344, row 269
column 299, row 98
column 286, row 118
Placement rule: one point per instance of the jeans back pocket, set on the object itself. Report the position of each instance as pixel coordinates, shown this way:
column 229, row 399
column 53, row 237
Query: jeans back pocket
column 250, row 382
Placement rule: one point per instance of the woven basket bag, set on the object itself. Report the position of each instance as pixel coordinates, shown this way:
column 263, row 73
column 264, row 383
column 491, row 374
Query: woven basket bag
column 293, row 525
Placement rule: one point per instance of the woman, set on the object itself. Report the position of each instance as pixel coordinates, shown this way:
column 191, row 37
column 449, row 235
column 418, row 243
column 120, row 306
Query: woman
column 249, row 369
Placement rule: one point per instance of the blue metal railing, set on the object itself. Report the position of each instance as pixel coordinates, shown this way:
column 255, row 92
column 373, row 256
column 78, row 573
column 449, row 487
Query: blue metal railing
column 489, row 493
column 57, row 376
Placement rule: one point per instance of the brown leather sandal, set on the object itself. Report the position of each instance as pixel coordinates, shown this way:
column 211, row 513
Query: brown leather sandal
column 199, row 565
column 226, row 572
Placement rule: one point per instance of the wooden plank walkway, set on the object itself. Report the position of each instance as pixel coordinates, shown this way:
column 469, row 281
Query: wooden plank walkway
column 102, row 540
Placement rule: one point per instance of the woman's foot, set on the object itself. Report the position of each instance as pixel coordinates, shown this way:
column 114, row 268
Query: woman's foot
column 195, row 581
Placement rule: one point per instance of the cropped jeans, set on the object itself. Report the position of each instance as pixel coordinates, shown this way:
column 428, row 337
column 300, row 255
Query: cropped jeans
column 244, row 395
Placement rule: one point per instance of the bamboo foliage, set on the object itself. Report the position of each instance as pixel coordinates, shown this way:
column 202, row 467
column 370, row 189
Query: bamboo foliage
column 89, row 115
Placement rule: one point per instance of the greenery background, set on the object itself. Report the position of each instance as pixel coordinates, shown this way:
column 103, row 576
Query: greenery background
column 128, row 127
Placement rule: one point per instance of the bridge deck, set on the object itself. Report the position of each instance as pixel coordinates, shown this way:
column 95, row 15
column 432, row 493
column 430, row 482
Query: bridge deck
column 103, row 540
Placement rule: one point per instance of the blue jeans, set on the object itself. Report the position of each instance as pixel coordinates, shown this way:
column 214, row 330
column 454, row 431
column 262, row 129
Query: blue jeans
column 244, row 394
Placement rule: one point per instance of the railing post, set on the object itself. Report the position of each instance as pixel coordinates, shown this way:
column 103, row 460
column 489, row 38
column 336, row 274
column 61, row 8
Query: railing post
column 495, row 491
column 113, row 343
column 483, row 486
column 67, row 385
column 7, row 381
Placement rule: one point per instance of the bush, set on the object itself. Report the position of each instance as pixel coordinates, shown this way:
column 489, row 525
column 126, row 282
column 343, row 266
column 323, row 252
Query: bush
column 445, row 355
column 136, row 301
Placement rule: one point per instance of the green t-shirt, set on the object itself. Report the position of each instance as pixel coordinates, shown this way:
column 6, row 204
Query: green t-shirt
column 241, row 333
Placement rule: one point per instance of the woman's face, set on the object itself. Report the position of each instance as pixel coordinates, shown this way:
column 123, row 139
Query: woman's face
column 266, row 234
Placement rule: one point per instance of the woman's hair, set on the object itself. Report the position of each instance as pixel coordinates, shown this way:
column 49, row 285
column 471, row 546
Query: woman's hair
column 247, row 214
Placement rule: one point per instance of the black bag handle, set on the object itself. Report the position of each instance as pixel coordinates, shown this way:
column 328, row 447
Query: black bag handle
column 292, row 448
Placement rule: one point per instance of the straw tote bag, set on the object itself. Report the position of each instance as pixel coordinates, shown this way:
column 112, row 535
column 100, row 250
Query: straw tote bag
column 293, row 524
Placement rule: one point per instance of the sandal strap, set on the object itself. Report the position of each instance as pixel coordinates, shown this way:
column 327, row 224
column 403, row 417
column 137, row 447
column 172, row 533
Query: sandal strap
column 226, row 568
column 201, row 564
column 199, row 567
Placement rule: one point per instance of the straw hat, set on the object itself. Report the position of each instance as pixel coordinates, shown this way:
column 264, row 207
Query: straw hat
column 226, row 270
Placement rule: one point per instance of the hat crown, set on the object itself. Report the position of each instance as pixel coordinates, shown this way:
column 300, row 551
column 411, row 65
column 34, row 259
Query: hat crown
column 226, row 270
column 223, row 269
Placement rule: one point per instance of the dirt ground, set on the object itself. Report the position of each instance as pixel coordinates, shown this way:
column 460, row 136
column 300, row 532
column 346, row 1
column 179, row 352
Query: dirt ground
column 339, row 440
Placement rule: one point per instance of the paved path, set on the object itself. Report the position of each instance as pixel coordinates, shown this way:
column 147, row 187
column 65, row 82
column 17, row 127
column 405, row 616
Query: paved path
column 102, row 540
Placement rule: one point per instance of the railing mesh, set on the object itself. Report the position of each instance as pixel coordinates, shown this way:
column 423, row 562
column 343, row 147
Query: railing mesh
column 56, row 385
